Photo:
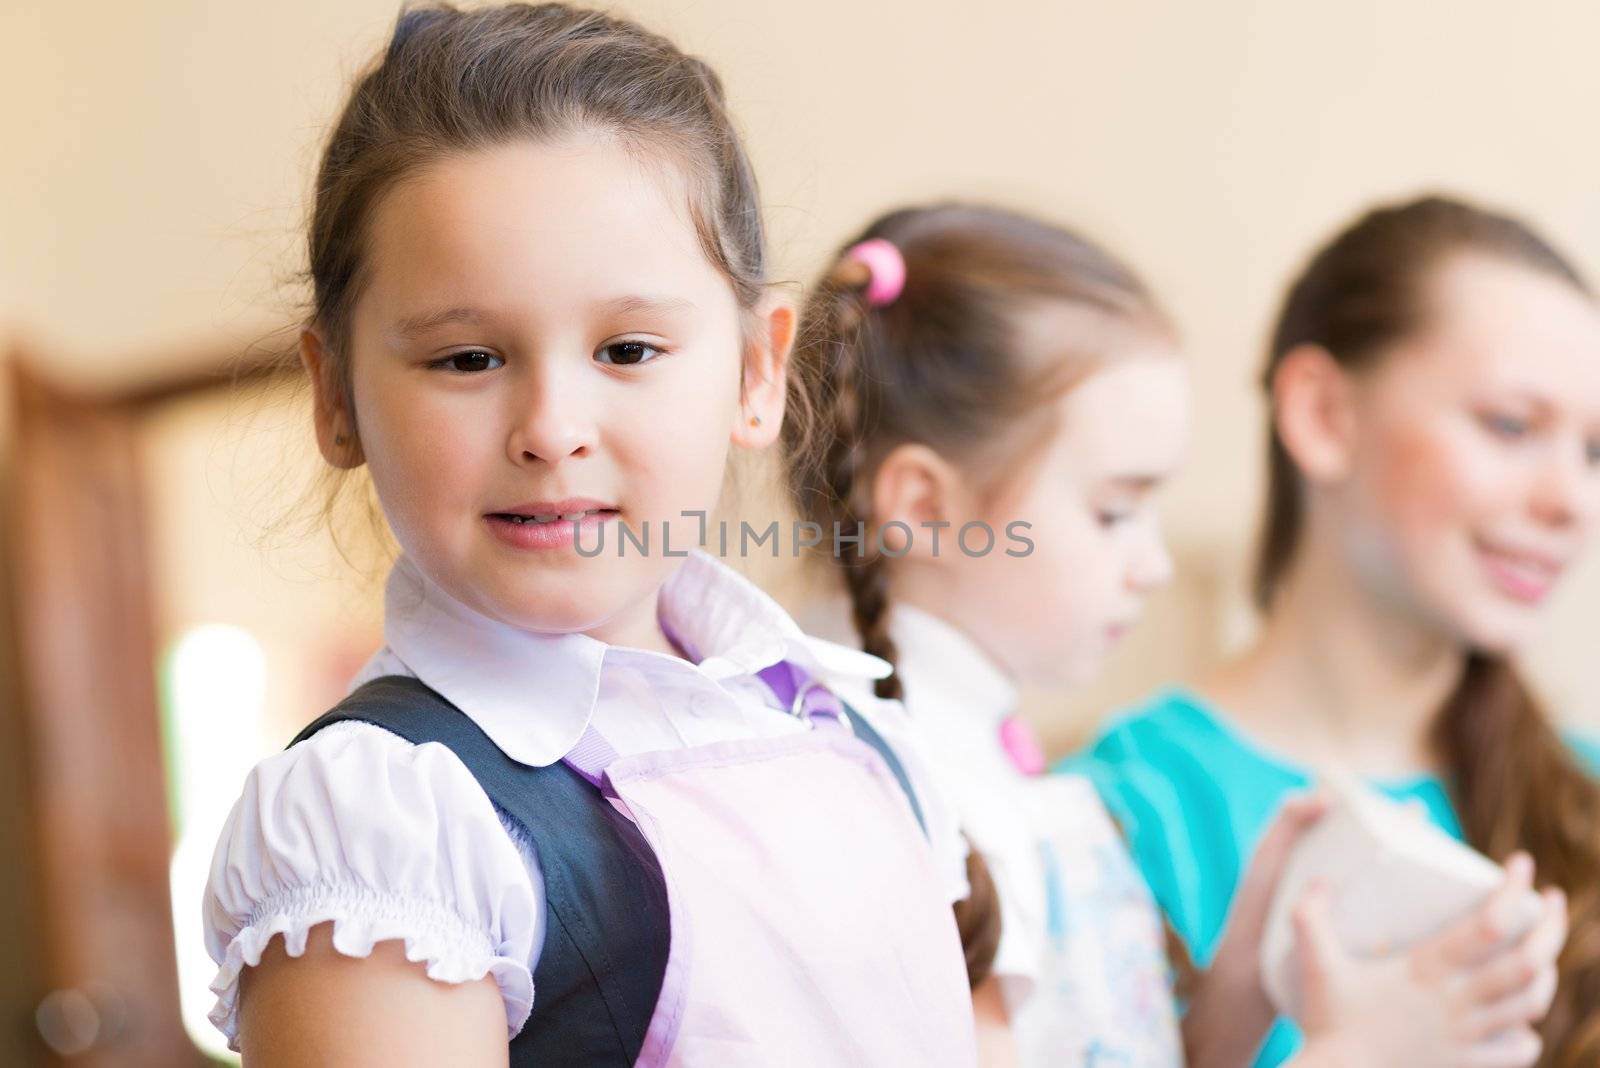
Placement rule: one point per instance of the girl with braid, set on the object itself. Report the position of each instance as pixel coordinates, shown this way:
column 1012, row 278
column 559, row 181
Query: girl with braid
column 1001, row 400
column 954, row 343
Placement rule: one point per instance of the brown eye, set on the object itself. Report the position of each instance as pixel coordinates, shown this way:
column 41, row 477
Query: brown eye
column 1506, row 426
column 627, row 353
column 473, row 361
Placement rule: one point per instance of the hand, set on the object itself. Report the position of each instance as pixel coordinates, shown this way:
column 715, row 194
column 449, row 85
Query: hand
column 1466, row 998
column 1230, row 1013
column 997, row 1045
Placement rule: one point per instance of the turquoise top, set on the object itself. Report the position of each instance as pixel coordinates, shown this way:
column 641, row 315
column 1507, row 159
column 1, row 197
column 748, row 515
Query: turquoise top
column 1194, row 795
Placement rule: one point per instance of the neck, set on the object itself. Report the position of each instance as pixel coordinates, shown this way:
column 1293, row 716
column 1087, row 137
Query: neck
column 925, row 588
column 637, row 627
column 1338, row 676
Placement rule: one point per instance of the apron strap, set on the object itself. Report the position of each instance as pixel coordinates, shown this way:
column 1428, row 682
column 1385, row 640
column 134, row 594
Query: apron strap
column 809, row 699
column 604, row 957
column 806, row 697
column 591, row 757
column 863, row 730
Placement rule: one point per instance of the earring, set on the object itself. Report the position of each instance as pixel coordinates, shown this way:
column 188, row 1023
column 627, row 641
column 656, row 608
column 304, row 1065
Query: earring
column 339, row 439
column 755, row 420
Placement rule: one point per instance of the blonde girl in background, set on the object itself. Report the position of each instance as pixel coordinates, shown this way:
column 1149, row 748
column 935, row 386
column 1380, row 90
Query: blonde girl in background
column 1013, row 390
column 583, row 807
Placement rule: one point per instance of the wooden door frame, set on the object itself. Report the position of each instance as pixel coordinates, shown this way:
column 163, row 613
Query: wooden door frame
column 80, row 702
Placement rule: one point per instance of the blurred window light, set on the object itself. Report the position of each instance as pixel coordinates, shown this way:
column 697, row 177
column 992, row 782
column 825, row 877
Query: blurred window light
column 214, row 699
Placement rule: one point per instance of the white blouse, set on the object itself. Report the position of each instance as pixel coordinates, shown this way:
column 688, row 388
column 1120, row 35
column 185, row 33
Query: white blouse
column 1082, row 957
column 389, row 840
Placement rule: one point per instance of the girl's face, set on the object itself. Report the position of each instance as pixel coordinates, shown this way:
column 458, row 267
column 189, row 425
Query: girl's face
column 1474, row 458
column 1051, row 617
column 541, row 334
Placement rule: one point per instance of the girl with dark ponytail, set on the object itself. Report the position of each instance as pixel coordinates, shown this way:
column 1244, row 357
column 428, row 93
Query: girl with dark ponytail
column 1434, row 466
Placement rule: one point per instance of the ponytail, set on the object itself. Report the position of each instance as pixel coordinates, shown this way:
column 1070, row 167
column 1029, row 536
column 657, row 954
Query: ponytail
column 1517, row 786
column 1513, row 780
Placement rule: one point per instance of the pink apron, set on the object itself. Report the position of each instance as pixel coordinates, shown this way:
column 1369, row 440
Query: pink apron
column 807, row 923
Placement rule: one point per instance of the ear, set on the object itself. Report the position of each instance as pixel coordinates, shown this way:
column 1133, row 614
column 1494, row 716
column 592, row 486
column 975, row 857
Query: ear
column 915, row 485
column 764, row 379
column 336, row 435
column 1312, row 409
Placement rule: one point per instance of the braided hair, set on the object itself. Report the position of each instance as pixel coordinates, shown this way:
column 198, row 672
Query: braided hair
column 943, row 364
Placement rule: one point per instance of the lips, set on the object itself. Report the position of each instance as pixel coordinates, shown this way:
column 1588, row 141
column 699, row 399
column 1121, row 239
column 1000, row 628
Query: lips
column 1119, row 630
column 1523, row 575
column 570, row 509
column 551, row 526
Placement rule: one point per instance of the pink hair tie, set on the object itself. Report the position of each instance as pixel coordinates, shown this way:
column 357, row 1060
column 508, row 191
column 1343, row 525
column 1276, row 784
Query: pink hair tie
column 886, row 269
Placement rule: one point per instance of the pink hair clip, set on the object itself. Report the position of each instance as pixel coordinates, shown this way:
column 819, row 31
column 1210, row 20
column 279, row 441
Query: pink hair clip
column 886, row 268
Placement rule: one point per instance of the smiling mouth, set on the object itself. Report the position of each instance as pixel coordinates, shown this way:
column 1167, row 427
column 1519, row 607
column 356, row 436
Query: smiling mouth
column 1526, row 577
column 552, row 517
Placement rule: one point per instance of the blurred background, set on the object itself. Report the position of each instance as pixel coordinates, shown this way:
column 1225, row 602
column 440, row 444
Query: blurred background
column 172, row 605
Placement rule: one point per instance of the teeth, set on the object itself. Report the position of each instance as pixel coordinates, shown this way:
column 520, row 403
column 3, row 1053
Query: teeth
column 570, row 517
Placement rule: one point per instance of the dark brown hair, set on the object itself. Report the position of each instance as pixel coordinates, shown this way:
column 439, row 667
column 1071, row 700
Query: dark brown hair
column 454, row 81
column 945, row 364
column 1514, row 781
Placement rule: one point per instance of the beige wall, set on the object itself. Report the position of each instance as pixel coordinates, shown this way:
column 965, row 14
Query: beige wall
column 155, row 155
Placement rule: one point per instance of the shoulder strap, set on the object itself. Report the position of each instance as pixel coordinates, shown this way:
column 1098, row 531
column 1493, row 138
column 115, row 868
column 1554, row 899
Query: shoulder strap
column 607, row 933
column 864, row 731
column 789, row 684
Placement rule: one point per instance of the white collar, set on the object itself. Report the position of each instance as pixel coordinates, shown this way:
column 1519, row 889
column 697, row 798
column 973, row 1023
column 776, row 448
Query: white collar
column 533, row 694
column 942, row 662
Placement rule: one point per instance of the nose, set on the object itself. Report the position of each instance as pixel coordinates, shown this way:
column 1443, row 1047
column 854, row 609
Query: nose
column 1152, row 566
column 1568, row 490
column 553, row 413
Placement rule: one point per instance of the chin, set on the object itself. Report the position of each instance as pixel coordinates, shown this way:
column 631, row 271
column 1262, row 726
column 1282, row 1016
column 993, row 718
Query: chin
column 549, row 608
column 1071, row 673
column 1496, row 630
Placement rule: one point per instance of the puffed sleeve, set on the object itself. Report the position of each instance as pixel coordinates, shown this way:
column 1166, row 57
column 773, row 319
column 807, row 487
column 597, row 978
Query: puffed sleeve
column 389, row 841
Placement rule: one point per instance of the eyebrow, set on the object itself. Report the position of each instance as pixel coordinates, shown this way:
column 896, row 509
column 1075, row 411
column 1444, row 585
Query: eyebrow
column 1531, row 397
column 1136, row 483
column 414, row 326
column 635, row 305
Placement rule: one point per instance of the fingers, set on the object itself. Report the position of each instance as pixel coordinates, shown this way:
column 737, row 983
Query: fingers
column 1474, row 938
column 1516, row 987
column 1513, row 1049
column 1507, row 973
column 1300, row 812
column 1248, row 914
column 1525, row 1007
column 1297, row 816
column 1320, row 954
